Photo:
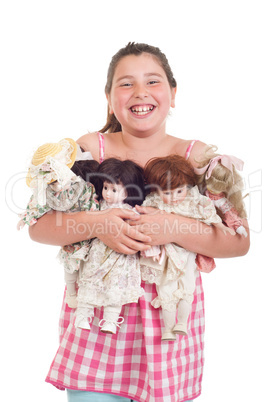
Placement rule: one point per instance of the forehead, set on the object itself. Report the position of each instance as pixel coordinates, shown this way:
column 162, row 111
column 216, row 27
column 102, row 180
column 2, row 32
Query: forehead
column 113, row 185
column 144, row 63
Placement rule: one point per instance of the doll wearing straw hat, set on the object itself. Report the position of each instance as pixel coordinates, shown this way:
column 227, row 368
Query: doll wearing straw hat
column 56, row 187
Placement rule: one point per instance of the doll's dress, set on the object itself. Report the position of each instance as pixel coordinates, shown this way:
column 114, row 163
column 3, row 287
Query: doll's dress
column 109, row 278
column 195, row 206
column 230, row 215
column 77, row 196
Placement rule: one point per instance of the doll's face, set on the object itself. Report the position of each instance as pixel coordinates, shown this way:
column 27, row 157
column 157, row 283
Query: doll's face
column 173, row 197
column 113, row 193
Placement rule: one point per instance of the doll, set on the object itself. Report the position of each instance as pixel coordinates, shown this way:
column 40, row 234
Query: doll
column 56, row 186
column 220, row 181
column 172, row 268
column 110, row 279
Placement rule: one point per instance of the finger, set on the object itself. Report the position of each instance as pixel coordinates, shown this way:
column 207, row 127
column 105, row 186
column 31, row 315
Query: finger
column 136, row 234
column 128, row 214
column 131, row 246
column 145, row 210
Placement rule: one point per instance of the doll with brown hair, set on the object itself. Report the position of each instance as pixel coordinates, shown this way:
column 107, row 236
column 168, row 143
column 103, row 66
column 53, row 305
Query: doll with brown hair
column 172, row 268
column 58, row 176
column 219, row 180
column 110, row 279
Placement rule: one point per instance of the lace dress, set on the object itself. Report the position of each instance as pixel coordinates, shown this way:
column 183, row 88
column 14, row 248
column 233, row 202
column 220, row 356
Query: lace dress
column 109, row 278
column 176, row 258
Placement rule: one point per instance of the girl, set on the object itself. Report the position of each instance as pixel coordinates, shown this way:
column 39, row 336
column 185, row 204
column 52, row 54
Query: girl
column 134, row 363
column 172, row 268
column 108, row 278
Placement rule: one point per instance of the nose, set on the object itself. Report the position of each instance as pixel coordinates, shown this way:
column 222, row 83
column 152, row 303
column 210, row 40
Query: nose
column 140, row 91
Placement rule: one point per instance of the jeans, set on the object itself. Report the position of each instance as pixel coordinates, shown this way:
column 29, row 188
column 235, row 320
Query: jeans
column 84, row 396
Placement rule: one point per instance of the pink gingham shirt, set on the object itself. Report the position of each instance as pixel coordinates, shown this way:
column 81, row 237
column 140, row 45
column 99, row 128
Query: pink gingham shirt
column 134, row 363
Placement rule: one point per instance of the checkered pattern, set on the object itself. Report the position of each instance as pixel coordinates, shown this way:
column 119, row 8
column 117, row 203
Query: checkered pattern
column 134, row 363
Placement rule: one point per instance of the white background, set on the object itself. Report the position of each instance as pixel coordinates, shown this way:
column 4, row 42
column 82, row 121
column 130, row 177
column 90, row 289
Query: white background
column 55, row 56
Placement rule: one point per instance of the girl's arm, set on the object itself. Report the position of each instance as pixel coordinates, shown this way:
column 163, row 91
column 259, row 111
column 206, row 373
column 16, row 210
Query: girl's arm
column 59, row 228
column 191, row 234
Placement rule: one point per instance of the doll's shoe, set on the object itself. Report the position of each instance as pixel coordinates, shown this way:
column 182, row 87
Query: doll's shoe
column 110, row 327
column 71, row 300
column 168, row 336
column 82, row 322
column 180, row 329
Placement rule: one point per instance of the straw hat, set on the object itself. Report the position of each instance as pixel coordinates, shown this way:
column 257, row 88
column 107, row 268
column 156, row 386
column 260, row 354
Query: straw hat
column 51, row 149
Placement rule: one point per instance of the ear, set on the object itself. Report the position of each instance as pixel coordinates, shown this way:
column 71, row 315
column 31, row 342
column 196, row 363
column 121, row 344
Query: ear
column 109, row 104
column 173, row 95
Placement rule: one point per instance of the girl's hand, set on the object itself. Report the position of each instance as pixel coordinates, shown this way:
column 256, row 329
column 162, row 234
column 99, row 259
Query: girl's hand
column 158, row 225
column 114, row 230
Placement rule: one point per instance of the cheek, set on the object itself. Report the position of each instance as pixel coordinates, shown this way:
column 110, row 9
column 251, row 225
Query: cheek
column 117, row 100
column 166, row 199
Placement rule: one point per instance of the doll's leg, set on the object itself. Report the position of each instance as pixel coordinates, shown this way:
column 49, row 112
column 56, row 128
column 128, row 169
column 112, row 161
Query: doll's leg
column 169, row 318
column 111, row 319
column 165, row 294
column 84, row 315
column 186, row 288
column 71, row 295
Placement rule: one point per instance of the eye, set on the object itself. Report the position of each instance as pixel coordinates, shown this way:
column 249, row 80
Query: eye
column 126, row 84
column 152, row 82
column 114, row 190
column 105, row 187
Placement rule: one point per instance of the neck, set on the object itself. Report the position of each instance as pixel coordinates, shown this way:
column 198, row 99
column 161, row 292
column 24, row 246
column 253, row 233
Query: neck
column 144, row 141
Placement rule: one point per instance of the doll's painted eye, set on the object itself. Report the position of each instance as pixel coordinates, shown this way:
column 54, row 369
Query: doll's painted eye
column 114, row 190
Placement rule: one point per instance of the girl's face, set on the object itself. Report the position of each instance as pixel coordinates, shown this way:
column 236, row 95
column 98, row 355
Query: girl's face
column 113, row 193
column 141, row 95
column 173, row 197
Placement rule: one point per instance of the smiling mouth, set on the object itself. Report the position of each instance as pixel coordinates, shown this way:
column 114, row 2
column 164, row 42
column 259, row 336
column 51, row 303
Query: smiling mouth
column 142, row 110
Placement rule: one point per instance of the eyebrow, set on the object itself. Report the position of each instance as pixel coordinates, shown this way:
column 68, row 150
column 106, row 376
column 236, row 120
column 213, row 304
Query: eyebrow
column 146, row 75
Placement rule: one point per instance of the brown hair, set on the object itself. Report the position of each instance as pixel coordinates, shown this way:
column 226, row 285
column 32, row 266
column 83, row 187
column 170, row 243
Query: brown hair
column 112, row 124
column 169, row 172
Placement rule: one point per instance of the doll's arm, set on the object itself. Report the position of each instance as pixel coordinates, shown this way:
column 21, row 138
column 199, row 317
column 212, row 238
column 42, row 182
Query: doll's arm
column 224, row 228
column 230, row 215
column 32, row 213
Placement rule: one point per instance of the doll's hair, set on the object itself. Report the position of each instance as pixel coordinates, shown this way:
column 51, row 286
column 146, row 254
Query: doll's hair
column 127, row 173
column 112, row 124
column 86, row 169
column 222, row 180
column 168, row 173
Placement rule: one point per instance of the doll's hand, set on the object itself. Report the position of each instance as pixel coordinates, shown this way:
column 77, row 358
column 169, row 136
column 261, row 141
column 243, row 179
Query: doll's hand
column 225, row 229
column 115, row 231
column 242, row 231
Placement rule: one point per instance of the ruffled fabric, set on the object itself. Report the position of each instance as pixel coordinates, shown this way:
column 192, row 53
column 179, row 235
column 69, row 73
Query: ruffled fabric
column 79, row 196
column 54, row 168
column 109, row 278
column 72, row 255
column 195, row 205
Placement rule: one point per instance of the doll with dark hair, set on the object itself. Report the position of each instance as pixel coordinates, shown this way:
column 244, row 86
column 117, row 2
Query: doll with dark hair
column 59, row 176
column 172, row 268
column 110, row 279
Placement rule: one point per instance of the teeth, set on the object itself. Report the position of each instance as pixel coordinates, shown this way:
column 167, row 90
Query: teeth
column 141, row 110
